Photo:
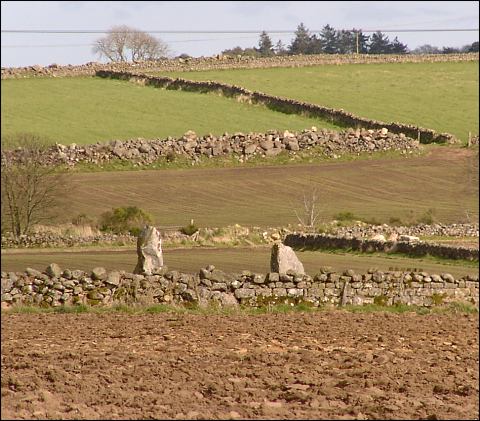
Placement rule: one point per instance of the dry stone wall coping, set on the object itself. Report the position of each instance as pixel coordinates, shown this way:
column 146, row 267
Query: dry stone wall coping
column 228, row 62
column 57, row 287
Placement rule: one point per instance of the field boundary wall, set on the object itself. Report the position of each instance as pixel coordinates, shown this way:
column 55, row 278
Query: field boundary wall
column 327, row 143
column 57, row 287
column 416, row 249
column 281, row 104
column 225, row 62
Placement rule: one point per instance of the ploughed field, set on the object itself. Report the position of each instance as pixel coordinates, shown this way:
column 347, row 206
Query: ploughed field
column 230, row 260
column 440, row 96
column 444, row 180
column 314, row 365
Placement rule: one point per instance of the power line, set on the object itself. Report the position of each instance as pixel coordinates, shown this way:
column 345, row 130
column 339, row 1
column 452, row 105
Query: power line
column 89, row 45
column 88, row 31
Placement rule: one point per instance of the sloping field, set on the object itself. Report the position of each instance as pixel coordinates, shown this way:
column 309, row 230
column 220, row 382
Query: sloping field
column 87, row 110
column 230, row 260
column 268, row 195
column 440, row 96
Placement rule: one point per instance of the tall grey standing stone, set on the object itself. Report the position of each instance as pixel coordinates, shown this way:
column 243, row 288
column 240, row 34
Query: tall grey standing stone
column 149, row 251
column 283, row 258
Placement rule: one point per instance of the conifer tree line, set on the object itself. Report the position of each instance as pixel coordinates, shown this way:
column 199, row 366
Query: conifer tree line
column 333, row 41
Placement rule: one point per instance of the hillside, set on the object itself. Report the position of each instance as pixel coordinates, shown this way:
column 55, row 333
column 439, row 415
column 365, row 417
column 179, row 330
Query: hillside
column 442, row 96
column 268, row 195
column 87, row 110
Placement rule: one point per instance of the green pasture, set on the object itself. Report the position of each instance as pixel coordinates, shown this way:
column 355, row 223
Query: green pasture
column 231, row 260
column 86, row 110
column 441, row 96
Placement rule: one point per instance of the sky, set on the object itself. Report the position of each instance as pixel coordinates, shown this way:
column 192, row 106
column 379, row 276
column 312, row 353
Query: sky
column 26, row 49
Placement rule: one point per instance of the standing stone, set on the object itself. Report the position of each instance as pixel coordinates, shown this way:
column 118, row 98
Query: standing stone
column 283, row 258
column 149, row 251
column 53, row 271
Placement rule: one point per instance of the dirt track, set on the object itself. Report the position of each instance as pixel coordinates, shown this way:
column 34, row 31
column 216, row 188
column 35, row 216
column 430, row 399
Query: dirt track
column 326, row 365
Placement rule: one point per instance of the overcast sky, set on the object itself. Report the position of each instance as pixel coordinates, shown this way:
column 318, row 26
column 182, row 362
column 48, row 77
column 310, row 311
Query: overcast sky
column 20, row 49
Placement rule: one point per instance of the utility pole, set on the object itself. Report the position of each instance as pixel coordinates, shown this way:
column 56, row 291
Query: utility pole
column 357, row 41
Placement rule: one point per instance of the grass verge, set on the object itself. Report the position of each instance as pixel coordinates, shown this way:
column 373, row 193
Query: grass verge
column 454, row 307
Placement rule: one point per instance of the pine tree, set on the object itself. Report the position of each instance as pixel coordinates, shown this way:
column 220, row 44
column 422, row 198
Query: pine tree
column 280, row 48
column 301, row 42
column 473, row 48
column 315, row 45
column 363, row 41
column 397, row 47
column 265, row 45
column 328, row 40
column 379, row 44
column 346, row 42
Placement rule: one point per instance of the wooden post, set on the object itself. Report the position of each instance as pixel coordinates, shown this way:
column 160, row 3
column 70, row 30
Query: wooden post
column 357, row 42
column 418, row 136
column 469, row 139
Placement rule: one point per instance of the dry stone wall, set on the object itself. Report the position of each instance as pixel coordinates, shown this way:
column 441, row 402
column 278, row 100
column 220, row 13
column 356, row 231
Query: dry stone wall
column 286, row 105
column 227, row 62
column 322, row 241
column 420, row 230
column 245, row 146
column 48, row 239
column 56, row 287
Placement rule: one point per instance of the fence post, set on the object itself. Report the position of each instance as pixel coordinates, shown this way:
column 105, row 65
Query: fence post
column 469, row 143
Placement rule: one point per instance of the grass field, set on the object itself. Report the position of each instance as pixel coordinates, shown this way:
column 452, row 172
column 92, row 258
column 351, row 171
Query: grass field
column 229, row 260
column 440, row 96
column 87, row 110
column 268, row 195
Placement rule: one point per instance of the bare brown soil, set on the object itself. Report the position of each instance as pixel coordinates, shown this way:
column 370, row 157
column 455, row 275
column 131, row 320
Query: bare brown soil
column 268, row 196
column 322, row 365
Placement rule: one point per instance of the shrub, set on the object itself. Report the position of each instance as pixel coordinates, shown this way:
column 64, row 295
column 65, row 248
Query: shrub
column 395, row 221
column 189, row 229
column 171, row 156
column 345, row 216
column 428, row 217
column 371, row 221
column 124, row 220
column 83, row 219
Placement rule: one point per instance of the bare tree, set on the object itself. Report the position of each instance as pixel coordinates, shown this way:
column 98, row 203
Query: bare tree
column 123, row 43
column 310, row 212
column 31, row 191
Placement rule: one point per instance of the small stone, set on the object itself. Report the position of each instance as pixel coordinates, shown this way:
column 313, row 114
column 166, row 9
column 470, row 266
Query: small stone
column 113, row 278
column 244, row 293
column 33, row 272
column 53, row 270
column 99, row 273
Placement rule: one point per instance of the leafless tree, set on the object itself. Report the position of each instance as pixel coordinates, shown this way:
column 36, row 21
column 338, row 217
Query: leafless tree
column 310, row 212
column 31, row 191
column 123, row 43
